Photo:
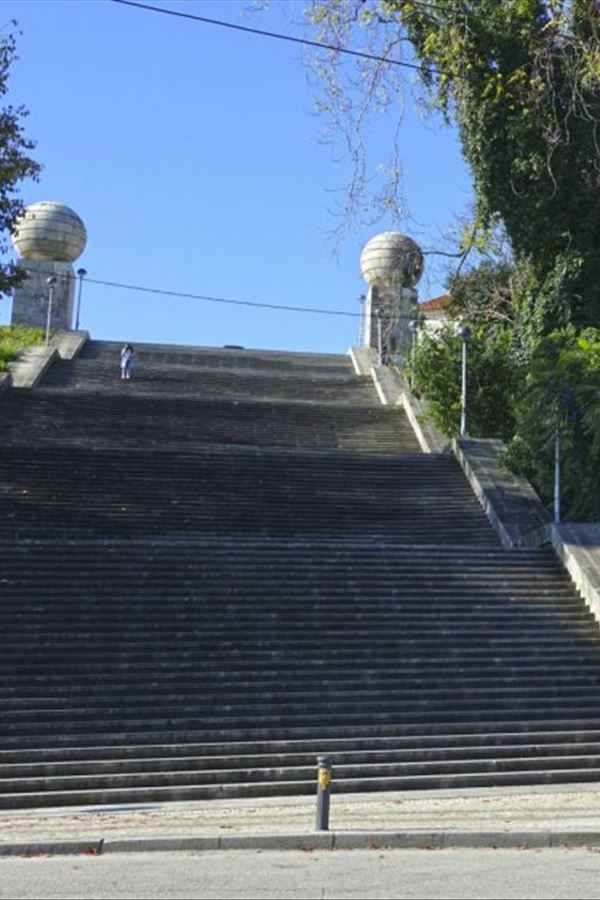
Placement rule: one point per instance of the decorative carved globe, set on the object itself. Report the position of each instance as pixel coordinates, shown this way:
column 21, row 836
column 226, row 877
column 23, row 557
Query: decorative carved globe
column 51, row 231
column 392, row 258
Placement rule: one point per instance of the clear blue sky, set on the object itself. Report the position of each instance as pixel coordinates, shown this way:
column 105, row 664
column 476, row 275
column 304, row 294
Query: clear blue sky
column 192, row 154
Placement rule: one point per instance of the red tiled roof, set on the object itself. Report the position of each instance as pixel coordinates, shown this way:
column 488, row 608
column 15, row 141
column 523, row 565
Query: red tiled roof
column 436, row 304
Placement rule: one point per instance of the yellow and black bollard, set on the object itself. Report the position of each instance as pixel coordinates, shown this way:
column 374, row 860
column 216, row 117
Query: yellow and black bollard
column 323, row 791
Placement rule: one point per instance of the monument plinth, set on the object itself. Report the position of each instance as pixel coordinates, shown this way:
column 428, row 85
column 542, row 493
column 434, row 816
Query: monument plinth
column 48, row 237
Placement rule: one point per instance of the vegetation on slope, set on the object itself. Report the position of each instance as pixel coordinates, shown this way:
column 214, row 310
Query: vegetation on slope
column 16, row 338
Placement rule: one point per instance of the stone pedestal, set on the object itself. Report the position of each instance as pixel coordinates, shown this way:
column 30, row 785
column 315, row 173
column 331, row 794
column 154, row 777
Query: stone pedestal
column 397, row 306
column 30, row 300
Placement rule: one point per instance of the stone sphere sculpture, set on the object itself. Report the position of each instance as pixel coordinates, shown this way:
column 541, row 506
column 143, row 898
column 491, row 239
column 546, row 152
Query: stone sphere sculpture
column 391, row 258
column 49, row 231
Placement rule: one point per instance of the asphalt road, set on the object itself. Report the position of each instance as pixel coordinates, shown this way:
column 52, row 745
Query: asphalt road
column 324, row 875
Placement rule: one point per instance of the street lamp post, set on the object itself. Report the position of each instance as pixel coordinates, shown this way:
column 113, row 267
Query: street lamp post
column 377, row 313
column 464, row 334
column 81, row 274
column 557, row 476
column 51, row 281
column 414, row 327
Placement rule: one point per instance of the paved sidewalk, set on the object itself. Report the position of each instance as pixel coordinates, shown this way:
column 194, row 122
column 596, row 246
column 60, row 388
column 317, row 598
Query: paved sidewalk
column 541, row 816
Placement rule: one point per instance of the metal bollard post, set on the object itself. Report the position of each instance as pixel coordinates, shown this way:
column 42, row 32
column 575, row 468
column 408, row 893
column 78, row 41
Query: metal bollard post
column 323, row 791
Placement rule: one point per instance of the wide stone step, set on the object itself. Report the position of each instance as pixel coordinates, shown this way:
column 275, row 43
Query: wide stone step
column 277, row 773
column 88, row 684
column 274, row 789
column 218, row 357
column 397, row 579
column 394, row 586
column 143, row 602
column 213, row 695
column 301, row 715
column 334, row 551
column 330, row 645
column 321, row 654
column 190, row 636
column 16, row 692
column 458, row 745
column 460, row 756
column 475, row 663
column 499, row 731
column 392, row 618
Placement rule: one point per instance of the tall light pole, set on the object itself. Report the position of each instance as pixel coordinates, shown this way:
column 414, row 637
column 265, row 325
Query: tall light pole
column 557, row 479
column 51, row 281
column 377, row 314
column 557, row 473
column 414, row 327
column 81, row 273
column 464, row 334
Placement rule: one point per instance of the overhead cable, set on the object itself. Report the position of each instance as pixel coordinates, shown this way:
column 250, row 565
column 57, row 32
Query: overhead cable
column 230, row 301
column 281, row 37
column 149, row 290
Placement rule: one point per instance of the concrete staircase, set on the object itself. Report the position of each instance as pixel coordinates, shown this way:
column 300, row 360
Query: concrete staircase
column 239, row 560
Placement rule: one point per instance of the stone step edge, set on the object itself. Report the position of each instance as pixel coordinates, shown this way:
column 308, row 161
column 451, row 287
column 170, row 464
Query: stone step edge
column 139, row 797
column 298, row 746
column 137, row 764
column 153, row 739
column 260, row 772
column 319, row 544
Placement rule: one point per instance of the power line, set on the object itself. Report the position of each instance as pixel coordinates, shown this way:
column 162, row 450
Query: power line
column 281, row 37
column 281, row 306
column 232, row 302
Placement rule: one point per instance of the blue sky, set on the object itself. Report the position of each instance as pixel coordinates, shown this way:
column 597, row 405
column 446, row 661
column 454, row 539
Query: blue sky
column 192, row 153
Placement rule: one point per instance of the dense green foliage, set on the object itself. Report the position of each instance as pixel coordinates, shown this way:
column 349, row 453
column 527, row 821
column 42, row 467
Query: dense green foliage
column 521, row 79
column 14, row 339
column 494, row 376
column 526, row 400
column 561, row 394
column 15, row 165
column 484, row 295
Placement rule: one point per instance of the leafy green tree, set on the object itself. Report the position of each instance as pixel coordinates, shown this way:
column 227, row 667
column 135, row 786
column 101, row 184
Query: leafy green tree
column 561, row 396
column 521, row 78
column 483, row 296
column 494, row 376
column 15, row 164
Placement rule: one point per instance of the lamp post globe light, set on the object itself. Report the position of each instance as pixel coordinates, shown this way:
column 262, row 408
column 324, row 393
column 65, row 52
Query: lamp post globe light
column 51, row 281
column 464, row 335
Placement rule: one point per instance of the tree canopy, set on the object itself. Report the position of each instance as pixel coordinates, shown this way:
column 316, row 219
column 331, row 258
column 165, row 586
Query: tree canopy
column 521, row 79
column 15, row 164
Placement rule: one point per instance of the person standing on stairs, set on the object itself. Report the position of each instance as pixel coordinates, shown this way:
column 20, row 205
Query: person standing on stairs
column 127, row 356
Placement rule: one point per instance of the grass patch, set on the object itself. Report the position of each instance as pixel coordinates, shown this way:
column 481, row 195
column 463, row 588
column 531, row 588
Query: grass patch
column 16, row 338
